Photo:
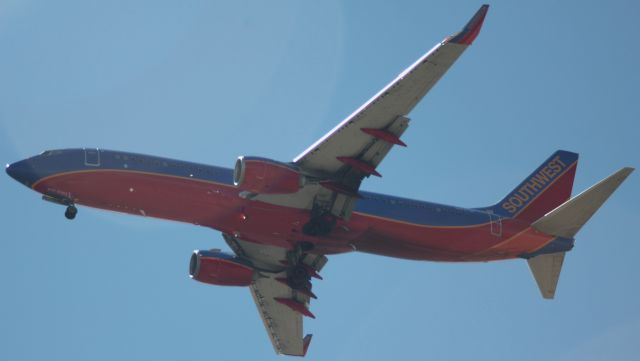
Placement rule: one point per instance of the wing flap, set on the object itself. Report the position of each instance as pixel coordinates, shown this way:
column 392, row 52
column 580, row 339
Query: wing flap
column 265, row 257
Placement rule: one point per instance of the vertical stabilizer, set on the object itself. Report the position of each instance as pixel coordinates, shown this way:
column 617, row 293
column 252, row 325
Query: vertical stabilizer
column 546, row 188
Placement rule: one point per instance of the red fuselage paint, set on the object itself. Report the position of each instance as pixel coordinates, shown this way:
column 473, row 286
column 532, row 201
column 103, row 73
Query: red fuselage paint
column 218, row 206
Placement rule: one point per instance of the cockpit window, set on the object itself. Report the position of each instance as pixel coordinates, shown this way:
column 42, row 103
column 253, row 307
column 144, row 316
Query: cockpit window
column 48, row 153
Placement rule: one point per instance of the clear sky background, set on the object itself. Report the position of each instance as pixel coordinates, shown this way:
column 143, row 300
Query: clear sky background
column 207, row 81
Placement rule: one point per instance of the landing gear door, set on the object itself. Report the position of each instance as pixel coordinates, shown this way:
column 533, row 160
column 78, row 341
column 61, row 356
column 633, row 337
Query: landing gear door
column 496, row 225
column 92, row 157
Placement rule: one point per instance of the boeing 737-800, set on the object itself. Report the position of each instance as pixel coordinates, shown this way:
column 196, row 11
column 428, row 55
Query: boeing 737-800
column 282, row 219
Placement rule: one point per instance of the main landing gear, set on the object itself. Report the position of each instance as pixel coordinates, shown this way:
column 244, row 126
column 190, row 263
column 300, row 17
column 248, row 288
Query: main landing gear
column 299, row 275
column 319, row 225
column 298, row 278
column 71, row 212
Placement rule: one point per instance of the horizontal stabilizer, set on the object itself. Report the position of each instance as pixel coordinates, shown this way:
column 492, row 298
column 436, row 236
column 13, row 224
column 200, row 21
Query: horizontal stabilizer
column 567, row 219
column 546, row 270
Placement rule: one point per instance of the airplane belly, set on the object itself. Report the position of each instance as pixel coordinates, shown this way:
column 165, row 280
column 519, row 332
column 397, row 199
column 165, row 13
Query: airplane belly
column 191, row 193
column 478, row 242
column 195, row 201
column 146, row 194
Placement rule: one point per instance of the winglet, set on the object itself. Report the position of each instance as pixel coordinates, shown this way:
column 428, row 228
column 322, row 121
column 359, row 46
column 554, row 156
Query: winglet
column 305, row 344
column 472, row 29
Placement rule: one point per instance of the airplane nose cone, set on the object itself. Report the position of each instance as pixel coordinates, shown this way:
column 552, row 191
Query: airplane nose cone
column 11, row 171
column 18, row 171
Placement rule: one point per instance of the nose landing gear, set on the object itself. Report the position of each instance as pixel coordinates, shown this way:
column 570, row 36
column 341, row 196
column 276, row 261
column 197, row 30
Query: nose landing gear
column 71, row 212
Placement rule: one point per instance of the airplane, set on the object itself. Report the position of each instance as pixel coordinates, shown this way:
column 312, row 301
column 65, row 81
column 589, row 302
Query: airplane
column 283, row 219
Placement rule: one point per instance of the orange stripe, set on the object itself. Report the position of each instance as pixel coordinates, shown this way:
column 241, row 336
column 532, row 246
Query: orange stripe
column 124, row 171
column 508, row 240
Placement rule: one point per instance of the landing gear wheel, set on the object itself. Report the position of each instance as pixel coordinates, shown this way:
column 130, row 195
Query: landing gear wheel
column 71, row 212
column 298, row 277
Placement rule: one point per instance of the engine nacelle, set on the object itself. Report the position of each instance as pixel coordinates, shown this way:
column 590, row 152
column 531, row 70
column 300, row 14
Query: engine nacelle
column 219, row 268
column 266, row 176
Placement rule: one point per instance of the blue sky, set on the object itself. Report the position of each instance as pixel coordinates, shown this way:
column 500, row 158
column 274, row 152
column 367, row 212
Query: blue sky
column 208, row 81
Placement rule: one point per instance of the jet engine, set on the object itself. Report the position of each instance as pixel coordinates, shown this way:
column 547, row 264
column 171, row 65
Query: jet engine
column 266, row 176
column 219, row 268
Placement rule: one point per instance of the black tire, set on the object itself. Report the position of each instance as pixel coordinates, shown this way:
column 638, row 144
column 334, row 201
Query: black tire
column 298, row 277
column 71, row 212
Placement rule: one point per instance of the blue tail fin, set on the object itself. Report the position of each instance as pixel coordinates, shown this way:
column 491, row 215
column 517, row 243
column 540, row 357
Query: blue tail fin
column 546, row 188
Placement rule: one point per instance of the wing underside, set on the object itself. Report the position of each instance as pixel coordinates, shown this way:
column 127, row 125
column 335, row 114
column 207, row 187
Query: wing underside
column 280, row 306
column 383, row 117
column 283, row 324
column 336, row 165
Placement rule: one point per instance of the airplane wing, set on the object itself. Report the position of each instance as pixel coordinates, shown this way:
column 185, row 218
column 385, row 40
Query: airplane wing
column 281, row 307
column 340, row 160
column 355, row 147
column 283, row 323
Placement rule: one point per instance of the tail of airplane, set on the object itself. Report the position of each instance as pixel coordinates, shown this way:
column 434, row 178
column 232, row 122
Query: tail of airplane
column 542, row 200
column 564, row 222
column 546, row 188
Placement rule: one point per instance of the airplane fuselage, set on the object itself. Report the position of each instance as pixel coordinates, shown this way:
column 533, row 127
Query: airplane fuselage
column 205, row 195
